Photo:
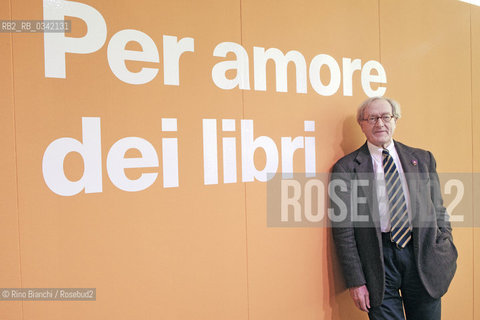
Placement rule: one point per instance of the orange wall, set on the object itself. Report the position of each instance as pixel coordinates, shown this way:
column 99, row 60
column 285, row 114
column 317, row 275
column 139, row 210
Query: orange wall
column 204, row 251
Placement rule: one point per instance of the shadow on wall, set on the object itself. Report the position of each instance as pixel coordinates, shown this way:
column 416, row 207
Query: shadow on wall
column 341, row 306
column 352, row 136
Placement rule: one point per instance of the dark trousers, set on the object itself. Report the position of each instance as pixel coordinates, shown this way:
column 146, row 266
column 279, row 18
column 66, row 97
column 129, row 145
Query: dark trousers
column 403, row 288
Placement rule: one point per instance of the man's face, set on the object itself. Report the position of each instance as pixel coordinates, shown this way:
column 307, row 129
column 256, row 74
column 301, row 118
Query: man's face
column 380, row 133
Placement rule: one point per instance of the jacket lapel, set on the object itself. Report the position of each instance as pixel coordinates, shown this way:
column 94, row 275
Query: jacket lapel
column 364, row 171
column 410, row 168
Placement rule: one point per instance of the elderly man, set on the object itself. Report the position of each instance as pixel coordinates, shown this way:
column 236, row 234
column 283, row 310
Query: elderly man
column 390, row 228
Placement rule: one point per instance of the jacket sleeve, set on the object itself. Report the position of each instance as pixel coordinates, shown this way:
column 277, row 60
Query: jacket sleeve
column 342, row 227
column 442, row 216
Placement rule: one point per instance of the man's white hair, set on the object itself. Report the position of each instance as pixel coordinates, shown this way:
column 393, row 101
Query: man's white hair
column 395, row 107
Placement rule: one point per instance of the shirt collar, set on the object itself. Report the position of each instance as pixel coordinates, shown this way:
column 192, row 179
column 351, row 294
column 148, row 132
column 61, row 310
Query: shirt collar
column 376, row 152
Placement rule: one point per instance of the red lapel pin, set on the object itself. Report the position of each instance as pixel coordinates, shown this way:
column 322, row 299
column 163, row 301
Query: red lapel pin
column 414, row 162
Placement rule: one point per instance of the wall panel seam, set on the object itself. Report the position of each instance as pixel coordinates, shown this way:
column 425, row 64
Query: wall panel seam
column 245, row 185
column 473, row 157
column 15, row 154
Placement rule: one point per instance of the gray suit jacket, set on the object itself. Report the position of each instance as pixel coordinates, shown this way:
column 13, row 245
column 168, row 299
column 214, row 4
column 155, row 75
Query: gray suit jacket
column 356, row 228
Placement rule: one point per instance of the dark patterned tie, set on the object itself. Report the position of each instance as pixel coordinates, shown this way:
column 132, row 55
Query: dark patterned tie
column 400, row 232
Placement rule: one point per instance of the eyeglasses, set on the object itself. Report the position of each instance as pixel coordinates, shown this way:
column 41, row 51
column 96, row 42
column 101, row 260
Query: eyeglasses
column 386, row 118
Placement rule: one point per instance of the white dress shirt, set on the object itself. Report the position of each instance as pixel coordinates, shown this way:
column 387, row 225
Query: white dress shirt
column 377, row 161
